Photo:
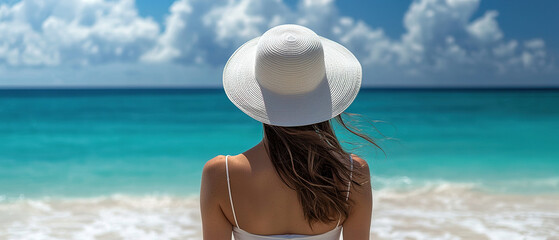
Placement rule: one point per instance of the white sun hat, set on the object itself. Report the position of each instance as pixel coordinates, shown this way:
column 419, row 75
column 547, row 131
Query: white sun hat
column 290, row 76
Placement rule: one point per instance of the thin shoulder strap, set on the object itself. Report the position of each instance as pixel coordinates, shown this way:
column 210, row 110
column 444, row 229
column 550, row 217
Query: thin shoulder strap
column 229, row 187
column 350, row 177
column 348, row 184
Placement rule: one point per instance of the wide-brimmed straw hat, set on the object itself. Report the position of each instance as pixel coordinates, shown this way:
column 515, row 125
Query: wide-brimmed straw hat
column 290, row 76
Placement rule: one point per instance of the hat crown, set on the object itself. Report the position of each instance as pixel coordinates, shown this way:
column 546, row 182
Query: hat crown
column 289, row 60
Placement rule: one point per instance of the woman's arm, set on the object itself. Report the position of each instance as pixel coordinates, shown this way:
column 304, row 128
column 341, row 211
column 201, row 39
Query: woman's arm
column 357, row 226
column 213, row 190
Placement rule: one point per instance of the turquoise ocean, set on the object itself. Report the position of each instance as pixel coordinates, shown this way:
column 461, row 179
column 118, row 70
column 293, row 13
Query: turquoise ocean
column 103, row 163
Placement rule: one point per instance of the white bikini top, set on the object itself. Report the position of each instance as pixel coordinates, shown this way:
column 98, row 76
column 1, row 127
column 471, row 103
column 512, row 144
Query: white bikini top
column 240, row 234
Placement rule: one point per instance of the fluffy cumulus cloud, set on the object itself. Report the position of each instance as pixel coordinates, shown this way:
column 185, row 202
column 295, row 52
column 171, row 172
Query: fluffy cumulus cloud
column 209, row 31
column 441, row 38
column 55, row 32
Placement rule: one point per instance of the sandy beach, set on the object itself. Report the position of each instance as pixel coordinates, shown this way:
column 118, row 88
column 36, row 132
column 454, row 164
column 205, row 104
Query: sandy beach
column 439, row 212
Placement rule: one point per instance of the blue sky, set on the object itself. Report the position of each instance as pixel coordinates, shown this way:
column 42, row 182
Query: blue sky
column 425, row 43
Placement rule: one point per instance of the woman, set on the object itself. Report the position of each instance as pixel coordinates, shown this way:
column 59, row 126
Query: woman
column 298, row 182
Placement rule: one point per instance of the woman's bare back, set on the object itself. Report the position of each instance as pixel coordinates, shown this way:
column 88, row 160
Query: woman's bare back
column 263, row 204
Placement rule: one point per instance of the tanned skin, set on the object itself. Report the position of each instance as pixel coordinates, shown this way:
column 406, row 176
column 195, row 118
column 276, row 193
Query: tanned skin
column 258, row 193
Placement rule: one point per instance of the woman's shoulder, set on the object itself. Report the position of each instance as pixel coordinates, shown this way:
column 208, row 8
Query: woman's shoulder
column 361, row 167
column 213, row 174
column 216, row 166
column 359, row 163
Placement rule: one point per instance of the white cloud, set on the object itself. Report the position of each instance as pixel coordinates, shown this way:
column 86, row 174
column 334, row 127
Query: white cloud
column 174, row 43
column 486, row 28
column 440, row 35
column 534, row 54
column 200, row 31
column 54, row 32
column 535, row 44
column 505, row 49
column 430, row 21
column 441, row 41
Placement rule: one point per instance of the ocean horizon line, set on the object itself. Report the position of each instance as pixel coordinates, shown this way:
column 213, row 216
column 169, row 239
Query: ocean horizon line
column 219, row 88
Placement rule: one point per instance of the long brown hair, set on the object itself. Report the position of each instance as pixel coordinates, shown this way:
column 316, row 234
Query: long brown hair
column 307, row 159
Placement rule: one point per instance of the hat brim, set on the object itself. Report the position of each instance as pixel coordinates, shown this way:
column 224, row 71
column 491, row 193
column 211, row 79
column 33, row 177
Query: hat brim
column 334, row 94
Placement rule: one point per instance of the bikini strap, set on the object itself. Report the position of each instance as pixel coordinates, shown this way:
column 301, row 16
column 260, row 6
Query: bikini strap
column 348, row 184
column 350, row 177
column 229, row 187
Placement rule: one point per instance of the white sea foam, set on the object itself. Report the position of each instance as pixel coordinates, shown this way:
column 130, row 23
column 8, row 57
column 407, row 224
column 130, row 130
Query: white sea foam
column 462, row 211
column 112, row 217
column 526, row 185
column 435, row 211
